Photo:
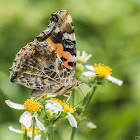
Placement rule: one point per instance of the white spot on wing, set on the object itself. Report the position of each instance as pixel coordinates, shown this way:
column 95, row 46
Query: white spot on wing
column 69, row 36
column 57, row 30
column 65, row 35
column 73, row 37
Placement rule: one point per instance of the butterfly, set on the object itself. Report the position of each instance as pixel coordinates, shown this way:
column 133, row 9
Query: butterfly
column 47, row 65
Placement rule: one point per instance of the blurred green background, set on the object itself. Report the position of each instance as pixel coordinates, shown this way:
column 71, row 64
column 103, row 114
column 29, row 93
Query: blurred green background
column 110, row 30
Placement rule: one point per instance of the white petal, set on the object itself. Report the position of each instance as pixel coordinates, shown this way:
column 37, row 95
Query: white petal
column 114, row 80
column 14, row 105
column 90, row 67
column 87, row 58
column 89, row 74
column 37, row 137
column 84, row 54
column 26, row 119
column 11, row 128
column 78, row 54
column 48, row 106
column 39, row 124
column 29, row 134
column 54, row 106
column 57, row 106
column 71, row 120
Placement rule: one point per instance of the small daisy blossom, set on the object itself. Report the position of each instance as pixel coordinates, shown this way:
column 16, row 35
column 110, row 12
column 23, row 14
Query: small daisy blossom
column 102, row 72
column 31, row 108
column 84, row 57
column 53, row 105
column 57, row 106
column 29, row 132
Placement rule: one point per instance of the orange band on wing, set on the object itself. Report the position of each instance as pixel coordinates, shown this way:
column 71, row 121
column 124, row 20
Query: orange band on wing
column 67, row 56
column 51, row 43
column 60, row 51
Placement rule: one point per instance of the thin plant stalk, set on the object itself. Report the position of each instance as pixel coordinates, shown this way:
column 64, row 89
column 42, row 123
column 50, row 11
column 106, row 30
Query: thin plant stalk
column 73, row 133
column 73, row 103
column 92, row 93
column 34, row 123
column 73, row 97
column 52, row 133
column 25, row 136
column 48, row 131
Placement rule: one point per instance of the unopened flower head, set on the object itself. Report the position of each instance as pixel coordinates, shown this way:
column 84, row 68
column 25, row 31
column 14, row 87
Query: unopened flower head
column 32, row 106
column 84, row 57
column 101, row 70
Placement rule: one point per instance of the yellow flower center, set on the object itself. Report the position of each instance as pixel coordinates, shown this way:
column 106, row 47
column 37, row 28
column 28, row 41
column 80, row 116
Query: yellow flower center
column 67, row 108
column 30, row 129
column 32, row 106
column 102, row 70
column 80, row 59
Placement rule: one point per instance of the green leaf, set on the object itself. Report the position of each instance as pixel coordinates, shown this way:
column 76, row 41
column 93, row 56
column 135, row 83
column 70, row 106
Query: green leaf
column 86, row 99
column 89, row 124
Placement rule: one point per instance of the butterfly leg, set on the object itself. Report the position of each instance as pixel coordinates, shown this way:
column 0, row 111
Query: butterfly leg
column 65, row 102
column 41, row 96
column 65, row 95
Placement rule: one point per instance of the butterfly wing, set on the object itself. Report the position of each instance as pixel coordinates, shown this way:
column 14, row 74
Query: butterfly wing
column 60, row 35
column 38, row 66
column 48, row 62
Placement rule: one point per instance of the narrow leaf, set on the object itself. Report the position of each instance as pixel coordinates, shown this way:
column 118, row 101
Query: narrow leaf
column 89, row 124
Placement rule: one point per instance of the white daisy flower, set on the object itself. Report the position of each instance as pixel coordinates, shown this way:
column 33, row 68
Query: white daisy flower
column 53, row 105
column 84, row 57
column 57, row 105
column 29, row 132
column 31, row 108
column 102, row 72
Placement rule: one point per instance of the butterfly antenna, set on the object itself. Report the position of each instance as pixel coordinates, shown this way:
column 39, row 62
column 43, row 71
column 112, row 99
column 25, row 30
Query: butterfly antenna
column 82, row 100
column 81, row 92
column 94, row 81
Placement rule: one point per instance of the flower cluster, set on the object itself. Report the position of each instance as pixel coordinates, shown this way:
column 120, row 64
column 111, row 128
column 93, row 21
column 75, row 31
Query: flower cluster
column 33, row 108
column 97, row 70
column 53, row 109
column 58, row 106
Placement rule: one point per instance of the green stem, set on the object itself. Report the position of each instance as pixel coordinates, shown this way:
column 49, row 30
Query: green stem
column 92, row 93
column 73, row 97
column 73, row 133
column 48, row 131
column 73, row 103
column 25, row 136
column 52, row 134
column 33, row 134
